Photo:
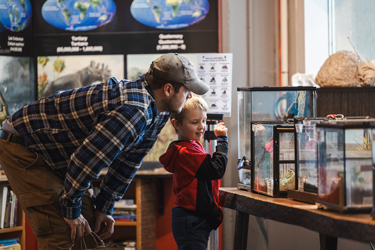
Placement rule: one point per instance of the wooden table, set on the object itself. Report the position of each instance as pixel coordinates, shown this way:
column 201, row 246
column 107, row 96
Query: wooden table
column 330, row 225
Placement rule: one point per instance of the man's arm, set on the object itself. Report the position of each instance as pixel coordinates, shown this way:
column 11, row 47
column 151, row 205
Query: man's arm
column 116, row 131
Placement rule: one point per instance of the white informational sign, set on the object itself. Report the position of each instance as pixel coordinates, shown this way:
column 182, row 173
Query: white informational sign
column 216, row 70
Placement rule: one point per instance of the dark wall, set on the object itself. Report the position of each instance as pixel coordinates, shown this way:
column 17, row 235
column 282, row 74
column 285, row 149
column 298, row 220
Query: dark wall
column 349, row 101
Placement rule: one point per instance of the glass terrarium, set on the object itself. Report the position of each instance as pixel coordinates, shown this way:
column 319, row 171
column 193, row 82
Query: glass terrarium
column 272, row 158
column 373, row 170
column 244, row 128
column 306, row 149
column 306, row 152
column 277, row 103
column 344, row 165
column 267, row 104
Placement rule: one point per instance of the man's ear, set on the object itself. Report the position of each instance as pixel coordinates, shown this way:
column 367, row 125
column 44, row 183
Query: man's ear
column 168, row 89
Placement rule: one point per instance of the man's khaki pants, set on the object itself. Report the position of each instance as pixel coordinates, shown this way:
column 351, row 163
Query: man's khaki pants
column 37, row 189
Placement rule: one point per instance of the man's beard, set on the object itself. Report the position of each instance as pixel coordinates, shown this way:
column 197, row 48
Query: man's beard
column 173, row 105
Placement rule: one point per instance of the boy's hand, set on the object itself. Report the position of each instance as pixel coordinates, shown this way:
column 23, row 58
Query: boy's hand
column 220, row 129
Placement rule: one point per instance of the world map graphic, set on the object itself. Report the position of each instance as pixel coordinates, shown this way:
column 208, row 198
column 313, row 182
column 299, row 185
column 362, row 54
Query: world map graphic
column 15, row 15
column 169, row 14
column 78, row 15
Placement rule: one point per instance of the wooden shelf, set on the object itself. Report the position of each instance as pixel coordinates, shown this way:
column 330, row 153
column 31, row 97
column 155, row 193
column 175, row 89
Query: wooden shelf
column 126, row 223
column 11, row 229
column 143, row 190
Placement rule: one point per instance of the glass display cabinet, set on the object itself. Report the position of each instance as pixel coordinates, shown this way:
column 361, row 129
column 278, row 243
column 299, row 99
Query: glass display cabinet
column 373, row 169
column 305, row 154
column 267, row 104
column 277, row 103
column 244, row 128
column 272, row 158
column 306, row 169
column 344, row 165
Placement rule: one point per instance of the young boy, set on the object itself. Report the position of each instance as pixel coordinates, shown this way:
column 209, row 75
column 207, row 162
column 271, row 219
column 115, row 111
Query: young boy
column 196, row 175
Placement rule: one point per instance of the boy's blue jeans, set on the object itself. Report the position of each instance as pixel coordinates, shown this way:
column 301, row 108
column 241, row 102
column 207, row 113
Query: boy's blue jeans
column 189, row 231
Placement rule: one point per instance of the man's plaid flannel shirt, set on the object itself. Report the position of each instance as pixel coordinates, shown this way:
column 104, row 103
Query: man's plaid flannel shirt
column 80, row 131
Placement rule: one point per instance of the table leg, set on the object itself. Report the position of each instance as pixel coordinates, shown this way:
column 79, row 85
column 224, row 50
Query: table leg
column 161, row 196
column 240, row 231
column 327, row 242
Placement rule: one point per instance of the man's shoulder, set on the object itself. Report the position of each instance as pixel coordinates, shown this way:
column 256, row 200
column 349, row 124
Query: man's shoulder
column 133, row 92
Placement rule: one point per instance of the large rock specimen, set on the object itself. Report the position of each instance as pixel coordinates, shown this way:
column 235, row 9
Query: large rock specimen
column 339, row 70
column 365, row 73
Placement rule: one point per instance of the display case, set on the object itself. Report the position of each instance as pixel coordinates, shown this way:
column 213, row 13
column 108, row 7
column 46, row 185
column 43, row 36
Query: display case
column 306, row 186
column 373, row 169
column 344, row 165
column 244, row 128
column 277, row 103
column 267, row 104
column 306, row 152
column 272, row 158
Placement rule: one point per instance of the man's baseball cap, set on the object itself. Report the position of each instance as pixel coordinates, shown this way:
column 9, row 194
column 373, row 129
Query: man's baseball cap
column 178, row 69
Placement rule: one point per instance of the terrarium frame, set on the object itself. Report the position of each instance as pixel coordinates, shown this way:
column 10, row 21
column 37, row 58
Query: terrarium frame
column 341, row 203
column 279, row 127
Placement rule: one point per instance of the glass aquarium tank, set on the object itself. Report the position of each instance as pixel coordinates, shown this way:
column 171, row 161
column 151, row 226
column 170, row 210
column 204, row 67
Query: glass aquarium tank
column 267, row 104
column 272, row 158
column 344, row 165
column 278, row 103
column 244, row 128
column 306, row 153
column 373, row 169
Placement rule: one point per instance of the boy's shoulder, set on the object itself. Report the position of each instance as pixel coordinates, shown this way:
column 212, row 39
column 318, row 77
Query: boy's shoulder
column 187, row 146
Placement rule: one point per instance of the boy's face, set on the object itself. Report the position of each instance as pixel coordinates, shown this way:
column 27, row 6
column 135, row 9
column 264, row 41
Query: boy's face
column 193, row 125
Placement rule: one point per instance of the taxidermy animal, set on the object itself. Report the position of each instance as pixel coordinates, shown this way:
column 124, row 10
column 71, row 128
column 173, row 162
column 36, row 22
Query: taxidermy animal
column 84, row 77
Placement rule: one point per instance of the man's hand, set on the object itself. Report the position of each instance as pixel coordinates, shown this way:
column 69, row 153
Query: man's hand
column 79, row 227
column 109, row 224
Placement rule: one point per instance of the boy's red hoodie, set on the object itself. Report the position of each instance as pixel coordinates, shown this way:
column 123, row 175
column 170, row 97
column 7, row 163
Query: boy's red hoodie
column 196, row 175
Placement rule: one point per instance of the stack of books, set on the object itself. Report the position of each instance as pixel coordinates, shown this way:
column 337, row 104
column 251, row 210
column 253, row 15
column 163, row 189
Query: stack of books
column 10, row 244
column 8, row 208
column 125, row 210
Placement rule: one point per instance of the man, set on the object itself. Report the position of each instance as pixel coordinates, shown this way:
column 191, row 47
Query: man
column 52, row 149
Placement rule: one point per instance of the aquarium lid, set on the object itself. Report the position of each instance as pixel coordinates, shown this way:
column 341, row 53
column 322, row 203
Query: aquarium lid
column 301, row 119
column 342, row 124
column 286, row 88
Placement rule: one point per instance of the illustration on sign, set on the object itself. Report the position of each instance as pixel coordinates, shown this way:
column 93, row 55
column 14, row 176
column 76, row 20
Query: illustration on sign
column 78, row 15
column 15, row 15
column 216, row 70
column 169, row 14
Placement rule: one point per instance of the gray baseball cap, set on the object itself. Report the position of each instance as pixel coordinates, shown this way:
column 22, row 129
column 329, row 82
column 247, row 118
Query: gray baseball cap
column 176, row 68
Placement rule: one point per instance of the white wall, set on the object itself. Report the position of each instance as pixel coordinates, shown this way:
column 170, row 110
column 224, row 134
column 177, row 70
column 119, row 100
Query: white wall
column 234, row 40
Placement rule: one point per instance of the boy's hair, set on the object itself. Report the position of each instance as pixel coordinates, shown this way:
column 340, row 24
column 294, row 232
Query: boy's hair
column 192, row 103
column 157, row 83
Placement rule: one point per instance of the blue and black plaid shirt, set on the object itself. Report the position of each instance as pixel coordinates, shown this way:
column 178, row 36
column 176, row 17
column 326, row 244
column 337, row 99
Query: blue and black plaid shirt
column 80, row 131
